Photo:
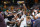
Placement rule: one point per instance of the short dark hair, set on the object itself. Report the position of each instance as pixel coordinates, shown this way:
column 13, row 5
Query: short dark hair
column 18, row 15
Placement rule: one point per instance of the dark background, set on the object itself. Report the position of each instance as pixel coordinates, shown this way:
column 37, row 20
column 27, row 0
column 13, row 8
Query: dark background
column 29, row 3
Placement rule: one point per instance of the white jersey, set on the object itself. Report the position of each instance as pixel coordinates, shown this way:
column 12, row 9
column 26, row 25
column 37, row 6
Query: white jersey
column 38, row 15
column 23, row 23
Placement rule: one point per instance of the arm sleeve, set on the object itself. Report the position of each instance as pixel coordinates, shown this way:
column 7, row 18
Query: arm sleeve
column 1, row 18
column 35, row 24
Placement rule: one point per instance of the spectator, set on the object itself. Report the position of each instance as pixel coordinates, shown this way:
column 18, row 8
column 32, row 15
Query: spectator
column 4, row 8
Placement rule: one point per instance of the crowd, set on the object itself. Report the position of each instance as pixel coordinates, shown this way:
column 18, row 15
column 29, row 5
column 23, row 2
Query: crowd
column 20, row 16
